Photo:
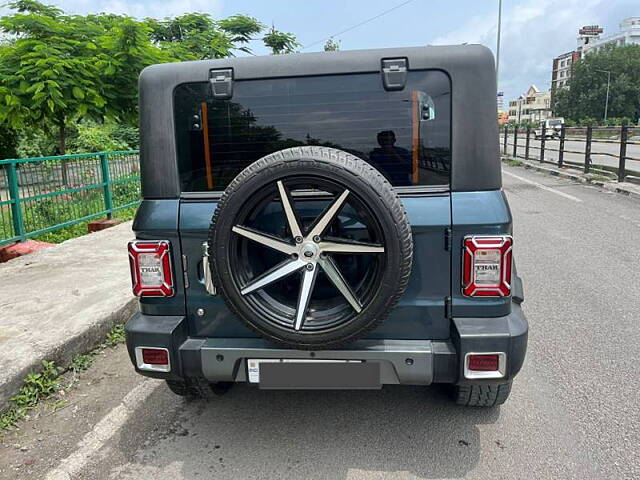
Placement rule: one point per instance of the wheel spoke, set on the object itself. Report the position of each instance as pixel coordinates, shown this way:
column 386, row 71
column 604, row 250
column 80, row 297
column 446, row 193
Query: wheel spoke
column 328, row 215
column 350, row 247
column 306, row 287
column 332, row 271
column 266, row 240
column 288, row 210
column 276, row 273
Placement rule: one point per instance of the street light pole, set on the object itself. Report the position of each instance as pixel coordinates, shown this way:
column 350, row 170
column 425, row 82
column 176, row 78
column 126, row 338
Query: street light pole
column 498, row 42
column 606, row 101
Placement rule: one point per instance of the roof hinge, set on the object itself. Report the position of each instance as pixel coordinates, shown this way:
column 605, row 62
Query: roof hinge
column 221, row 83
column 394, row 73
column 448, row 239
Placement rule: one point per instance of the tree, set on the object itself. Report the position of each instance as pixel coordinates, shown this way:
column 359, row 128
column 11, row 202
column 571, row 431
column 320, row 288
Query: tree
column 197, row 36
column 45, row 75
column 587, row 90
column 241, row 28
column 280, row 42
column 331, row 45
column 57, row 69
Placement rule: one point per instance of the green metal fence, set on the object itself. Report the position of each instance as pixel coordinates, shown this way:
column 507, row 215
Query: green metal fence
column 40, row 195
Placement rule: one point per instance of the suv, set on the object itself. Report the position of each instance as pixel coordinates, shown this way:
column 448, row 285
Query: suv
column 325, row 221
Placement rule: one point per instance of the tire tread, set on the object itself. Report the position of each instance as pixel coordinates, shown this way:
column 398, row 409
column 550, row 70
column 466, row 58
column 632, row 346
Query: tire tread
column 482, row 395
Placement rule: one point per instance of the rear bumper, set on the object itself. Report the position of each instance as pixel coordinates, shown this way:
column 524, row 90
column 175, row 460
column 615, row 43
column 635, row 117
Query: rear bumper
column 408, row 362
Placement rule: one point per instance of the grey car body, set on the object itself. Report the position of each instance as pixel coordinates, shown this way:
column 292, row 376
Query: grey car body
column 434, row 327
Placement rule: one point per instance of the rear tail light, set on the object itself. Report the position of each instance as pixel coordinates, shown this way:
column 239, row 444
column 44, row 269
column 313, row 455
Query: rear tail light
column 151, row 274
column 154, row 359
column 485, row 365
column 486, row 266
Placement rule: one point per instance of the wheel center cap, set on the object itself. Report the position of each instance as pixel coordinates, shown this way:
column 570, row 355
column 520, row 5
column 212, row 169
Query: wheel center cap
column 309, row 250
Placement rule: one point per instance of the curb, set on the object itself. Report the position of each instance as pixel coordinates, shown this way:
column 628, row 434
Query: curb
column 63, row 354
column 576, row 177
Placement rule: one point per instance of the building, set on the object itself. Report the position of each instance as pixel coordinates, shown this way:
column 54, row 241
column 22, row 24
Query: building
column 562, row 69
column 531, row 106
column 590, row 40
column 629, row 34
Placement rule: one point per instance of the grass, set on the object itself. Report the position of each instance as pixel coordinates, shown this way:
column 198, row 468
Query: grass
column 36, row 387
column 515, row 163
column 595, row 177
column 116, row 335
column 39, row 386
column 79, row 229
column 81, row 362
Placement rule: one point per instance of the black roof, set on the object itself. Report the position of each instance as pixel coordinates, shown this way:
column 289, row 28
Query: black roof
column 474, row 136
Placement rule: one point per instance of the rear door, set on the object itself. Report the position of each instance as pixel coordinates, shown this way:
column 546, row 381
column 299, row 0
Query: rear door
column 404, row 133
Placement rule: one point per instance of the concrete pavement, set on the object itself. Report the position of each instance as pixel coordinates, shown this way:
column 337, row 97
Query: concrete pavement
column 572, row 413
column 625, row 188
column 61, row 301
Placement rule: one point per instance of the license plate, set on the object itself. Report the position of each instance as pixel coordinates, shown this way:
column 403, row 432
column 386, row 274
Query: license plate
column 313, row 374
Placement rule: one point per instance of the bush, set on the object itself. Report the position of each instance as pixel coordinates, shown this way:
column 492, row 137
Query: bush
column 96, row 137
column 36, row 143
column 85, row 137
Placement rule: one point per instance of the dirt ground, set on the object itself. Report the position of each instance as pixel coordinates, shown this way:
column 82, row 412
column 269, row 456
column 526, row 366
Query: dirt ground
column 53, row 429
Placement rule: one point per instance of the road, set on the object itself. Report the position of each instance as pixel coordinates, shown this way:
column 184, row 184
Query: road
column 573, row 412
column 611, row 159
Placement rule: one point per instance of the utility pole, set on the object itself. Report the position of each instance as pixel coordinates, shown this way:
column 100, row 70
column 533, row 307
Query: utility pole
column 498, row 43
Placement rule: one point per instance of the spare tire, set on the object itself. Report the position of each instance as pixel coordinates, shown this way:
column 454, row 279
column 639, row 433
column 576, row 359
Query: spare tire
column 310, row 247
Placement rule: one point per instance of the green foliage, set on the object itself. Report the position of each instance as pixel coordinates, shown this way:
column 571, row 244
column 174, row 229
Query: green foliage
column 280, row 42
column 587, row 121
column 81, row 362
column 618, row 121
column 35, row 143
column 116, row 335
column 586, row 95
column 197, row 36
column 96, row 137
column 48, row 74
column 36, row 387
column 8, row 142
column 241, row 28
column 57, row 70
column 331, row 45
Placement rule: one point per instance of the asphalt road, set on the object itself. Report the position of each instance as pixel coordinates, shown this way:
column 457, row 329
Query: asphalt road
column 573, row 412
column 601, row 153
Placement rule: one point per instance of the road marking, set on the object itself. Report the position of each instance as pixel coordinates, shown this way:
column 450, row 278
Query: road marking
column 543, row 187
column 102, row 432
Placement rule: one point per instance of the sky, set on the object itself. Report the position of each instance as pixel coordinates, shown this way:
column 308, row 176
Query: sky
column 533, row 31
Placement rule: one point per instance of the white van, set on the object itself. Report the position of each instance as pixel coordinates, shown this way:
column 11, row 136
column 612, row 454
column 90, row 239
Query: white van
column 552, row 127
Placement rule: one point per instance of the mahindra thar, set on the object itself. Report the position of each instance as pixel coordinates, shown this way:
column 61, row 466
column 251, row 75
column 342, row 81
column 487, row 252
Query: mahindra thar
column 328, row 220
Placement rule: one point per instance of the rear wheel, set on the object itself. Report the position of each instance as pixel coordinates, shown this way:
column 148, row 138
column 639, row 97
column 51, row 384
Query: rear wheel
column 485, row 395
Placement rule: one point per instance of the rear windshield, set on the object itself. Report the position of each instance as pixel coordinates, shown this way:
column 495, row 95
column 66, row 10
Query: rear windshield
column 404, row 134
